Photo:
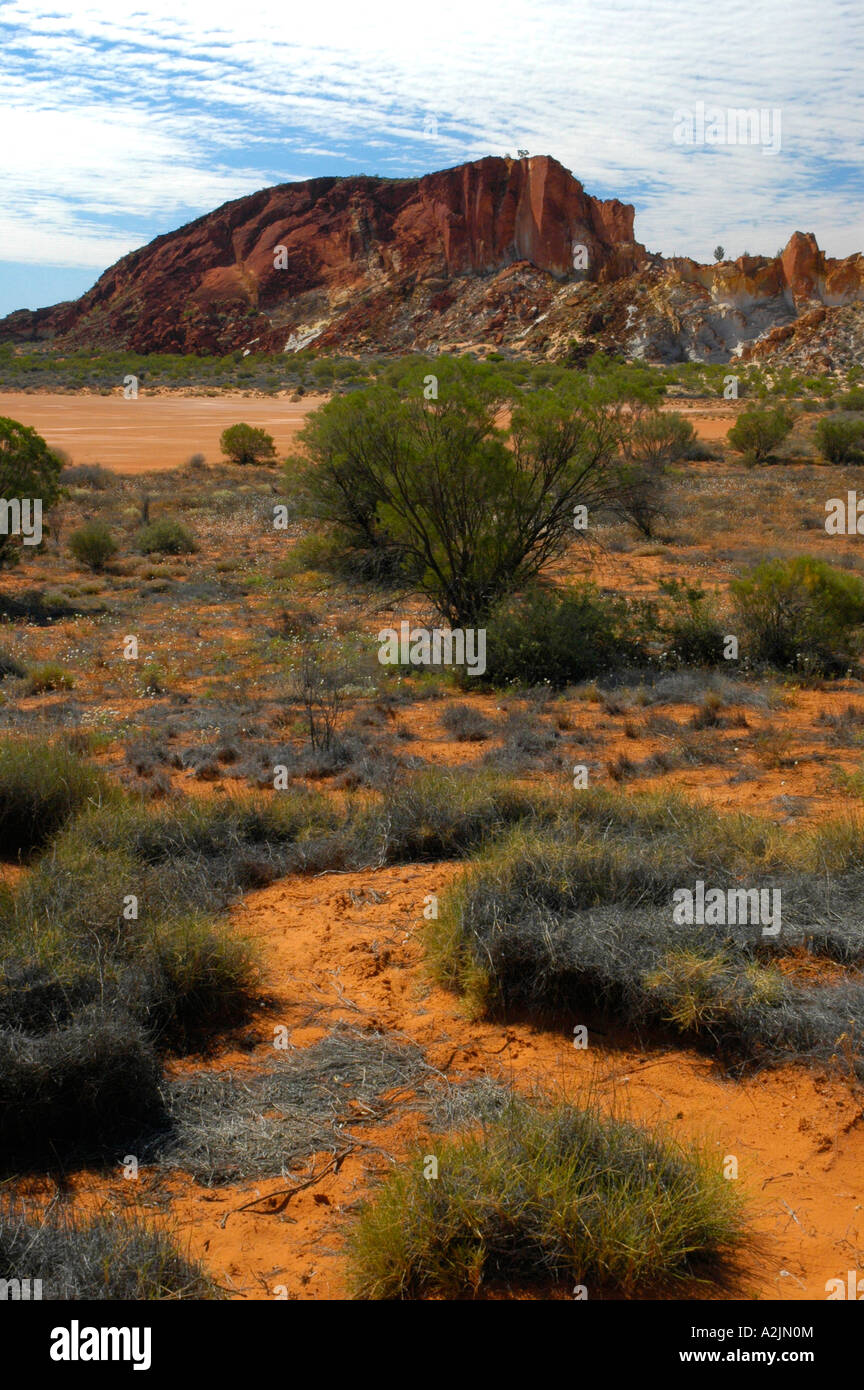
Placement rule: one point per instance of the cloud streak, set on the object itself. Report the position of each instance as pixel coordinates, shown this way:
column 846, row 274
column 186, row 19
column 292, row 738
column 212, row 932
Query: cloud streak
column 120, row 126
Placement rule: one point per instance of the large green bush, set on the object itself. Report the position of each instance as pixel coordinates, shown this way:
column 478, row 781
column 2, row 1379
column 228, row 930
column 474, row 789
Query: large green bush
column 29, row 470
column 466, row 508
column 800, row 615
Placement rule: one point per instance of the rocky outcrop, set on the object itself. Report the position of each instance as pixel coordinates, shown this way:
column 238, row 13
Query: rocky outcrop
column 222, row 281
column 498, row 252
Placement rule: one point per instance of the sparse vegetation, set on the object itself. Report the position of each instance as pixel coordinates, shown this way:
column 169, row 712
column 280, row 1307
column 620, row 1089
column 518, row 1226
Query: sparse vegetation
column 139, row 800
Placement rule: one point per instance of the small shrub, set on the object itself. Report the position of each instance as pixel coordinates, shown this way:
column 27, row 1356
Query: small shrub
column 660, row 436
column 49, row 676
column 9, row 665
column 559, row 638
column 690, row 623
column 107, row 1256
column 165, row 537
column 77, row 1090
column 93, row 545
column 88, row 475
column 467, row 725
column 245, row 444
column 839, row 440
column 757, row 432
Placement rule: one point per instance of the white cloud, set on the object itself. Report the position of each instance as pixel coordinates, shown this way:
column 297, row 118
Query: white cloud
column 143, row 115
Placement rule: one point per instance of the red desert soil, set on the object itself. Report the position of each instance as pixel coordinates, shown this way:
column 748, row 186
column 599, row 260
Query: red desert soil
column 159, row 432
column 329, row 944
column 153, row 433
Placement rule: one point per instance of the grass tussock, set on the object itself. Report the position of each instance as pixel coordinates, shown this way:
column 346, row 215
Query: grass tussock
column 122, row 917
column 107, row 1256
column 41, row 785
column 547, row 1196
column 579, row 914
column 76, row 1092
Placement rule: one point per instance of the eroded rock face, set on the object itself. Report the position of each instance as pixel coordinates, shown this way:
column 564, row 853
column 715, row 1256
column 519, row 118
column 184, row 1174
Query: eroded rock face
column 221, row 281
column 498, row 252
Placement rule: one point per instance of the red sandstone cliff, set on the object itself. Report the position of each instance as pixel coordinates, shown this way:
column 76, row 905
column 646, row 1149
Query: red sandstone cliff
column 220, row 282
column 479, row 254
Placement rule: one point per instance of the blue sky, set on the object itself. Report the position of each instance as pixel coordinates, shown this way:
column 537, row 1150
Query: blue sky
column 120, row 122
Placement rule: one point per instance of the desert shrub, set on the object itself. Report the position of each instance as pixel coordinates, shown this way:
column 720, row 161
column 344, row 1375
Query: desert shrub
column 93, row 545
column 467, row 725
column 102, row 1256
column 852, row 400
column 558, row 637
column 840, row 440
column 442, row 815
column 656, row 436
column 199, row 978
column 339, row 554
column 165, row 537
column 801, row 615
column 246, row 444
column 29, row 472
column 205, row 832
column 49, row 676
column 434, row 487
column 10, row 665
column 319, row 682
column 41, row 785
column 90, row 475
column 76, row 1090
column 650, row 439
column 758, row 432
column 547, row 1195
column 690, row 624
column 641, row 495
